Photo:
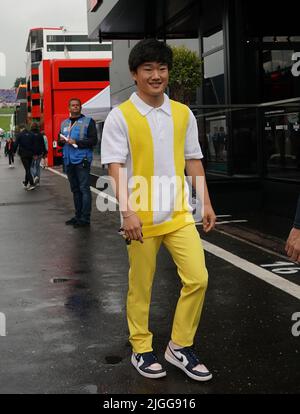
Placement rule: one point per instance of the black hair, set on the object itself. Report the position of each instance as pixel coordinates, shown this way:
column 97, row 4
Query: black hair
column 75, row 99
column 150, row 50
column 34, row 127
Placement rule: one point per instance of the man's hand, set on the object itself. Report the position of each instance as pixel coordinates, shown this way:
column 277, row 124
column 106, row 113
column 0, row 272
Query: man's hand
column 209, row 218
column 292, row 246
column 71, row 141
column 132, row 226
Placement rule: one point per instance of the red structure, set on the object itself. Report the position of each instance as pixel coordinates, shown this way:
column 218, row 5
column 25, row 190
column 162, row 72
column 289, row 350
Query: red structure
column 35, row 94
column 35, row 52
column 61, row 80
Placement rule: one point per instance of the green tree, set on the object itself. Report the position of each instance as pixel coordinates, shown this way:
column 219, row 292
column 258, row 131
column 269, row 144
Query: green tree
column 19, row 80
column 186, row 74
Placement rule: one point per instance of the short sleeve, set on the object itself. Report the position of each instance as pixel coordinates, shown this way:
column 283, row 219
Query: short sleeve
column 192, row 149
column 114, row 144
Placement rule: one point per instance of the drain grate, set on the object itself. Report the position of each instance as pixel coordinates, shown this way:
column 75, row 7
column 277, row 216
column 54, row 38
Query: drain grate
column 60, row 280
column 77, row 283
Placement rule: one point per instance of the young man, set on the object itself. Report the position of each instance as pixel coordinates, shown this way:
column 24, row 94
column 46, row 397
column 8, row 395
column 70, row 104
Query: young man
column 154, row 137
column 78, row 135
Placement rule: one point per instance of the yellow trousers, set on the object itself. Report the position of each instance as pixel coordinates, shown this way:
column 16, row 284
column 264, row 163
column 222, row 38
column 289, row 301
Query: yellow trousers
column 186, row 250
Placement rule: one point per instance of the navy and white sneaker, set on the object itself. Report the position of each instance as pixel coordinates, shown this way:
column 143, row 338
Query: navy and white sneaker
column 147, row 365
column 186, row 359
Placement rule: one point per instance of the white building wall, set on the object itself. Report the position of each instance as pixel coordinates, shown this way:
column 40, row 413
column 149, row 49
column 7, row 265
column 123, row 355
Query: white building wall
column 67, row 54
column 77, row 55
column 72, row 54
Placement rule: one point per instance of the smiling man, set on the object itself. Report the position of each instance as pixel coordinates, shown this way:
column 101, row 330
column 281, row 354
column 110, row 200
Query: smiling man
column 150, row 136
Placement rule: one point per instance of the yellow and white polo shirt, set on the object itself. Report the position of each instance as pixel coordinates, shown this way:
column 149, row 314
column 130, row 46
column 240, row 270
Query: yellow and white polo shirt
column 153, row 143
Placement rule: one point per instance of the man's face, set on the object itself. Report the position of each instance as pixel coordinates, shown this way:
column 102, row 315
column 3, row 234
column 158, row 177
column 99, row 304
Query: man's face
column 152, row 78
column 75, row 108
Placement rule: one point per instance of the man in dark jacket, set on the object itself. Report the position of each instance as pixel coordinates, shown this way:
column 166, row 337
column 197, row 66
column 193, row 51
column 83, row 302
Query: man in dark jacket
column 25, row 143
column 78, row 135
column 39, row 151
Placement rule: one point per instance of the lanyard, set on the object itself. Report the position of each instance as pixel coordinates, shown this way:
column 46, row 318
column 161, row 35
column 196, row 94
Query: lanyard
column 70, row 128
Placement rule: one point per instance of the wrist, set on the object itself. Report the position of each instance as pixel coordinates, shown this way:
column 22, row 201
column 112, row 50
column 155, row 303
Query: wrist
column 207, row 204
column 128, row 214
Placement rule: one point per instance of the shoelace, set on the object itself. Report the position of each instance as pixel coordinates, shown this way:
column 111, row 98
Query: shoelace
column 191, row 356
column 148, row 357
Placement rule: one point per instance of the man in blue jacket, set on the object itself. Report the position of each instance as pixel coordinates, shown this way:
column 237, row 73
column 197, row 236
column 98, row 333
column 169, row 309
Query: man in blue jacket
column 78, row 135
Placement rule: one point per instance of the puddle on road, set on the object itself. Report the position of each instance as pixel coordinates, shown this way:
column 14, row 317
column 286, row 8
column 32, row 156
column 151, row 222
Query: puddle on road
column 113, row 360
column 81, row 272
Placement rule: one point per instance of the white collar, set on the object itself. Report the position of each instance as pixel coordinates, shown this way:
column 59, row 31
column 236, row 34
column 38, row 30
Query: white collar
column 145, row 109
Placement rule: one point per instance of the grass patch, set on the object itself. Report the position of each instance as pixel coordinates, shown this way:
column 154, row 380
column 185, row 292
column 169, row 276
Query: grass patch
column 6, row 111
column 5, row 122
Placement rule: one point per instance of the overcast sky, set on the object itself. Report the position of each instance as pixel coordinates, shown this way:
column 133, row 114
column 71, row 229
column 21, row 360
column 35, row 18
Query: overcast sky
column 18, row 16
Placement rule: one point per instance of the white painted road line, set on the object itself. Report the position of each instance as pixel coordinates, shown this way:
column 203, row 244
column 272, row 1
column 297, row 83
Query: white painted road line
column 94, row 190
column 199, row 223
column 57, row 172
column 263, row 274
column 231, row 221
column 264, row 249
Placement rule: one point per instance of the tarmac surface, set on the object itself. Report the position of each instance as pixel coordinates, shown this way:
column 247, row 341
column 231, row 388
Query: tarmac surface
column 63, row 294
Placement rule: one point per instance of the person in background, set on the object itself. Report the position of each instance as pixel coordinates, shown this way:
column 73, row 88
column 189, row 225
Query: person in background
column 44, row 161
column 292, row 246
column 10, row 152
column 25, row 146
column 39, row 152
column 215, row 140
column 221, row 142
column 78, row 136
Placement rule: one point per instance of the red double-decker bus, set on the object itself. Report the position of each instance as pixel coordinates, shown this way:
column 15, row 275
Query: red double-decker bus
column 61, row 80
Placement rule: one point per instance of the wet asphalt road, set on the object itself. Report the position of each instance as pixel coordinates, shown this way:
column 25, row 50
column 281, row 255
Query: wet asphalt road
column 63, row 293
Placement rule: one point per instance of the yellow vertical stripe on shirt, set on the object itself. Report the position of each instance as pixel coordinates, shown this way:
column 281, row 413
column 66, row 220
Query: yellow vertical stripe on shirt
column 142, row 154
